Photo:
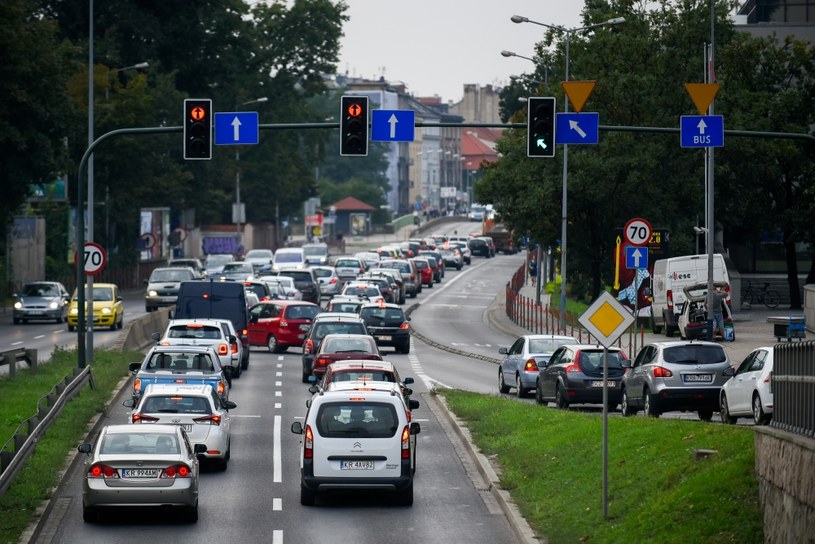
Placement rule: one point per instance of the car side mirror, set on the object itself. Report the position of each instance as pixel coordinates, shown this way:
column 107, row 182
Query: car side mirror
column 253, row 318
column 85, row 448
column 129, row 403
column 134, row 367
column 408, row 380
column 308, row 403
column 729, row 371
column 297, row 427
column 230, row 404
column 199, row 448
column 415, row 428
column 407, row 391
column 413, row 404
column 503, row 350
column 155, row 336
column 625, row 363
column 232, row 338
column 313, row 389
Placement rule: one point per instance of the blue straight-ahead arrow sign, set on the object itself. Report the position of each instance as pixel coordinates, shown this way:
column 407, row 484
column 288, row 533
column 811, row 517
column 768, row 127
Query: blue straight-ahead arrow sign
column 393, row 125
column 636, row 257
column 236, row 128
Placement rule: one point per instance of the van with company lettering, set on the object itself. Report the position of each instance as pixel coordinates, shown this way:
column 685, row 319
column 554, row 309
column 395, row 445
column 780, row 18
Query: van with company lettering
column 670, row 277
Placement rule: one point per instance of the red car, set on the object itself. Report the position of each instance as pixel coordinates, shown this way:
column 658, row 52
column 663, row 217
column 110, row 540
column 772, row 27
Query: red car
column 425, row 271
column 278, row 324
column 340, row 347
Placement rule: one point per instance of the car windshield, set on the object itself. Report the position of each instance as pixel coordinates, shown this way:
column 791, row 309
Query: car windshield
column 695, row 355
column 40, row 290
column 288, row 258
column 101, row 294
column 259, row 254
column 548, row 345
column 218, row 260
column 237, row 268
column 311, row 251
column 161, row 274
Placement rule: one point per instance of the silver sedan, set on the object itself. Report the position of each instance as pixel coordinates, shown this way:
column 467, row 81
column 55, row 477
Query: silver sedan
column 519, row 367
column 135, row 466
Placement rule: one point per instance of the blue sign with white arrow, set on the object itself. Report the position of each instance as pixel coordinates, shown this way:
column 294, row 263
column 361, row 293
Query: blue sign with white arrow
column 701, row 130
column 393, row 125
column 577, row 128
column 234, row 128
column 636, row 257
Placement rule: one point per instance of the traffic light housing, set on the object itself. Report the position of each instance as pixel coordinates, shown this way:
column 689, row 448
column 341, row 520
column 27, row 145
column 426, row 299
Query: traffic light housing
column 354, row 126
column 197, row 129
column 541, row 127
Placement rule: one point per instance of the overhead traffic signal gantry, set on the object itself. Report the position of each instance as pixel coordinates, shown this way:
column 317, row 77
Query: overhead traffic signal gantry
column 354, row 126
column 197, row 129
column 541, row 126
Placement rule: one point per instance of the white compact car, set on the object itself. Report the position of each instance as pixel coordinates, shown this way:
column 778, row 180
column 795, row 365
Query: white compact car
column 218, row 333
column 749, row 393
column 356, row 440
column 197, row 409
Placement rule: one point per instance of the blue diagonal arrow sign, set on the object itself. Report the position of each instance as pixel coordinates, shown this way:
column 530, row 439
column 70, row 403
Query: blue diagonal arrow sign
column 577, row 128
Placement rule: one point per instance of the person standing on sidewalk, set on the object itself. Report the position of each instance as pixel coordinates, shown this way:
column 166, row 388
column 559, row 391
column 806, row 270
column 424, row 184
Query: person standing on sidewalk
column 718, row 299
column 533, row 267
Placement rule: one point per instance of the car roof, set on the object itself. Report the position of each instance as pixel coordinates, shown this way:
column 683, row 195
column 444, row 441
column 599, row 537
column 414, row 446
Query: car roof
column 362, row 364
column 142, row 429
column 381, row 305
column 674, row 343
column 343, row 388
column 198, row 348
column 549, row 337
column 338, row 335
column 587, row 347
column 203, row 390
column 196, row 320
column 339, row 316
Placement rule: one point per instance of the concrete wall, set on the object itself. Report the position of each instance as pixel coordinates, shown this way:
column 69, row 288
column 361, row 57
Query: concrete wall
column 136, row 337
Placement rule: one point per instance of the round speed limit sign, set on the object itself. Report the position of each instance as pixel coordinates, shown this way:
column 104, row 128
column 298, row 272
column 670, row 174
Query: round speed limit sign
column 94, row 258
column 637, row 232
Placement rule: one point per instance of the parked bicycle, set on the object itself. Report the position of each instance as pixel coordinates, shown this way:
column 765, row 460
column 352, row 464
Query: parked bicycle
column 765, row 296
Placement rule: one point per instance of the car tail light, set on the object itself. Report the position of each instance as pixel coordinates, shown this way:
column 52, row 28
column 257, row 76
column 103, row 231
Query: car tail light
column 412, row 277
column 662, row 372
column 332, row 280
column 531, row 366
column 322, row 361
column 176, row 471
column 137, row 386
column 404, row 325
column 165, row 343
column 573, row 367
column 308, row 443
column 308, row 346
column 212, row 419
column 769, row 378
column 406, row 443
column 670, row 299
column 223, row 349
column 221, row 388
column 99, row 470
column 234, row 346
column 142, row 418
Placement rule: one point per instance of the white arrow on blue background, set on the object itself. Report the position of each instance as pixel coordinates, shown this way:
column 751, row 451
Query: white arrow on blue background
column 575, row 126
column 393, row 121
column 637, row 255
column 236, row 129
column 701, row 126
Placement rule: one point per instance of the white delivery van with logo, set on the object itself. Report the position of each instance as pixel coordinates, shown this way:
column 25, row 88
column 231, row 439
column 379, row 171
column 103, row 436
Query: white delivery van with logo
column 673, row 274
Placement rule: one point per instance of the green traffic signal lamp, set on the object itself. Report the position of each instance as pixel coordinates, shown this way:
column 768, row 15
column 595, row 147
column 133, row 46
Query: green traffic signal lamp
column 197, row 129
column 541, row 126
column 354, row 126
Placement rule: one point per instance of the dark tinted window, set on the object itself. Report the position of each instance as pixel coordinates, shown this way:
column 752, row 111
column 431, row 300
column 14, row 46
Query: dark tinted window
column 298, row 275
column 175, row 405
column 201, row 332
column 357, row 420
column 694, row 354
column 304, row 311
column 591, row 361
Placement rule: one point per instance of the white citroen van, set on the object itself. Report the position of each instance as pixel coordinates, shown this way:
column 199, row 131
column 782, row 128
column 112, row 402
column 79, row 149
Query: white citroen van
column 670, row 277
column 357, row 439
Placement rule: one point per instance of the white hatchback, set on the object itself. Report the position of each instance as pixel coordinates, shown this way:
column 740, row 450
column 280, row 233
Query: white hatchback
column 749, row 393
column 218, row 333
column 356, row 440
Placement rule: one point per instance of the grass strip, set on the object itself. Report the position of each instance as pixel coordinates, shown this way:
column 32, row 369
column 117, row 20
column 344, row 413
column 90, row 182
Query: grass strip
column 551, row 463
column 37, row 479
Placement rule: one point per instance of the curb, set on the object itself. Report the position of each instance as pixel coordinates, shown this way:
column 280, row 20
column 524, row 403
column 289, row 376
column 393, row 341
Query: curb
column 518, row 523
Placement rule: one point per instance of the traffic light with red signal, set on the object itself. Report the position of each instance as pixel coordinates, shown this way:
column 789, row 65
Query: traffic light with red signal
column 197, row 129
column 354, row 126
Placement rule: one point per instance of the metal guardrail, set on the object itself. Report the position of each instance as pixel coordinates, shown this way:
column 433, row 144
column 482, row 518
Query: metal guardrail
column 30, row 431
column 14, row 356
column 793, row 386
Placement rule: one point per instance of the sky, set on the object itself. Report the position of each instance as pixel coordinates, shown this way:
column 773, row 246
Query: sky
column 436, row 47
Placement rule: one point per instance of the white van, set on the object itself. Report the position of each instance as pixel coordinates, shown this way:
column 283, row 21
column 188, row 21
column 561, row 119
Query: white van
column 670, row 277
column 288, row 257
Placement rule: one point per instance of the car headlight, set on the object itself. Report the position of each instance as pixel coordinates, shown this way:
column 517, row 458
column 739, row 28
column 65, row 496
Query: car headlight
column 105, row 310
column 53, row 305
column 74, row 311
column 18, row 305
column 152, row 293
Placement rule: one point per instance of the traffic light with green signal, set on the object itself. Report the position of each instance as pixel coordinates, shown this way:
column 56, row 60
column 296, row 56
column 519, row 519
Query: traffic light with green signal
column 197, row 129
column 541, row 127
column 354, row 126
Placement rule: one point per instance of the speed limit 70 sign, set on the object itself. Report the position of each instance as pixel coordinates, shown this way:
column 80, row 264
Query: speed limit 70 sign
column 94, row 258
column 637, row 232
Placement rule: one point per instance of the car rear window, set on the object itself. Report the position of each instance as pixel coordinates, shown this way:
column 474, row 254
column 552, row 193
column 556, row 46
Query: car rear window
column 321, row 329
column 297, row 276
column 175, row 405
column 383, row 313
column 347, row 345
column 137, row 443
column 302, row 312
column 357, row 420
column 695, row 355
column 288, row 257
column 362, row 376
column 202, row 332
column 592, row 361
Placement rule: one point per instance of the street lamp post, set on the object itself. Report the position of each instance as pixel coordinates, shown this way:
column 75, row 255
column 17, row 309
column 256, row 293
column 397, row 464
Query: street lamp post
column 238, row 173
column 568, row 31
column 139, row 66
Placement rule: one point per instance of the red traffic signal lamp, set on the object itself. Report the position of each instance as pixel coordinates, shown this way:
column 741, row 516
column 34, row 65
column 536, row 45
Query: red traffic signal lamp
column 541, row 127
column 197, row 129
column 354, row 126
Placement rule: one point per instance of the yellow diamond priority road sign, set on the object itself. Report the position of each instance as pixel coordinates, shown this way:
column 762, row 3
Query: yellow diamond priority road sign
column 606, row 319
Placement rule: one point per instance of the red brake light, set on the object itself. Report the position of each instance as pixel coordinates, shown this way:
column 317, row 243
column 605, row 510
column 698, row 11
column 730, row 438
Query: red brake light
column 670, row 298
column 406, row 443
column 102, row 471
column 322, row 361
column 141, row 418
column 137, row 385
column 404, row 325
column 531, row 366
column 308, row 443
column 662, row 372
column 223, row 349
column 213, row 419
column 176, row 471
column 234, row 347
column 195, row 326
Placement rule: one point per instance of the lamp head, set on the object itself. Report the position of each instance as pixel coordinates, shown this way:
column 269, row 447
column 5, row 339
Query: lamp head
column 506, row 53
column 519, row 19
column 616, row 21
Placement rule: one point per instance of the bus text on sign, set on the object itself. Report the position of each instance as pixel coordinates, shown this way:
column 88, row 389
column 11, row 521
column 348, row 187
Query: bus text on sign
column 637, row 232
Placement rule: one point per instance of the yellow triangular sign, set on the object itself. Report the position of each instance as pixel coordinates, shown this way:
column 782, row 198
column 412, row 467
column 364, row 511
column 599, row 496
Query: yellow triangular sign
column 702, row 94
column 578, row 92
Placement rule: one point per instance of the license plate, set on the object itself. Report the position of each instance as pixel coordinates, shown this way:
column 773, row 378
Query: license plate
column 698, row 377
column 356, row 465
column 384, row 338
column 139, row 473
column 600, row 384
column 36, row 312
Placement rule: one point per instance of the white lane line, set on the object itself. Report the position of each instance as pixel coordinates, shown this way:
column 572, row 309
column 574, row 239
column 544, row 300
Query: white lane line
column 280, row 358
column 39, row 336
column 277, row 505
column 417, row 367
column 279, row 365
column 277, row 536
column 278, row 405
column 278, row 393
column 16, row 343
column 276, row 449
column 278, row 374
column 278, row 384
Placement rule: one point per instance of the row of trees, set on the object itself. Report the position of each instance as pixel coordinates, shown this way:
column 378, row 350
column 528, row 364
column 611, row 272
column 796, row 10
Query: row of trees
column 232, row 51
column 761, row 184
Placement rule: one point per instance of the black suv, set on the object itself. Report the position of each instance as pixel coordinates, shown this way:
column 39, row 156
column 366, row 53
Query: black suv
column 306, row 282
column 388, row 324
column 479, row 246
column 323, row 324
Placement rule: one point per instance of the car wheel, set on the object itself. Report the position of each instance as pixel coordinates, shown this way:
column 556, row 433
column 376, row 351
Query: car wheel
column 121, row 322
column 724, row 411
column 626, row 407
column 192, row 514
column 223, row 464
column 307, row 496
column 705, row 415
column 649, row 404
column 759, row 416
column 402, row 298
column 656, row 329
column 16, row 321
column 520, row 390
column 538, row 393
column 88, row 514
column 502, row 387
column 430, row 285
column 458, row 267
column 71, row 328
column 271, row 343
column 415, row 455
column 560, row 397
column 305, row 376
column 405, row 348
column 405, row 497
column 58, row 320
